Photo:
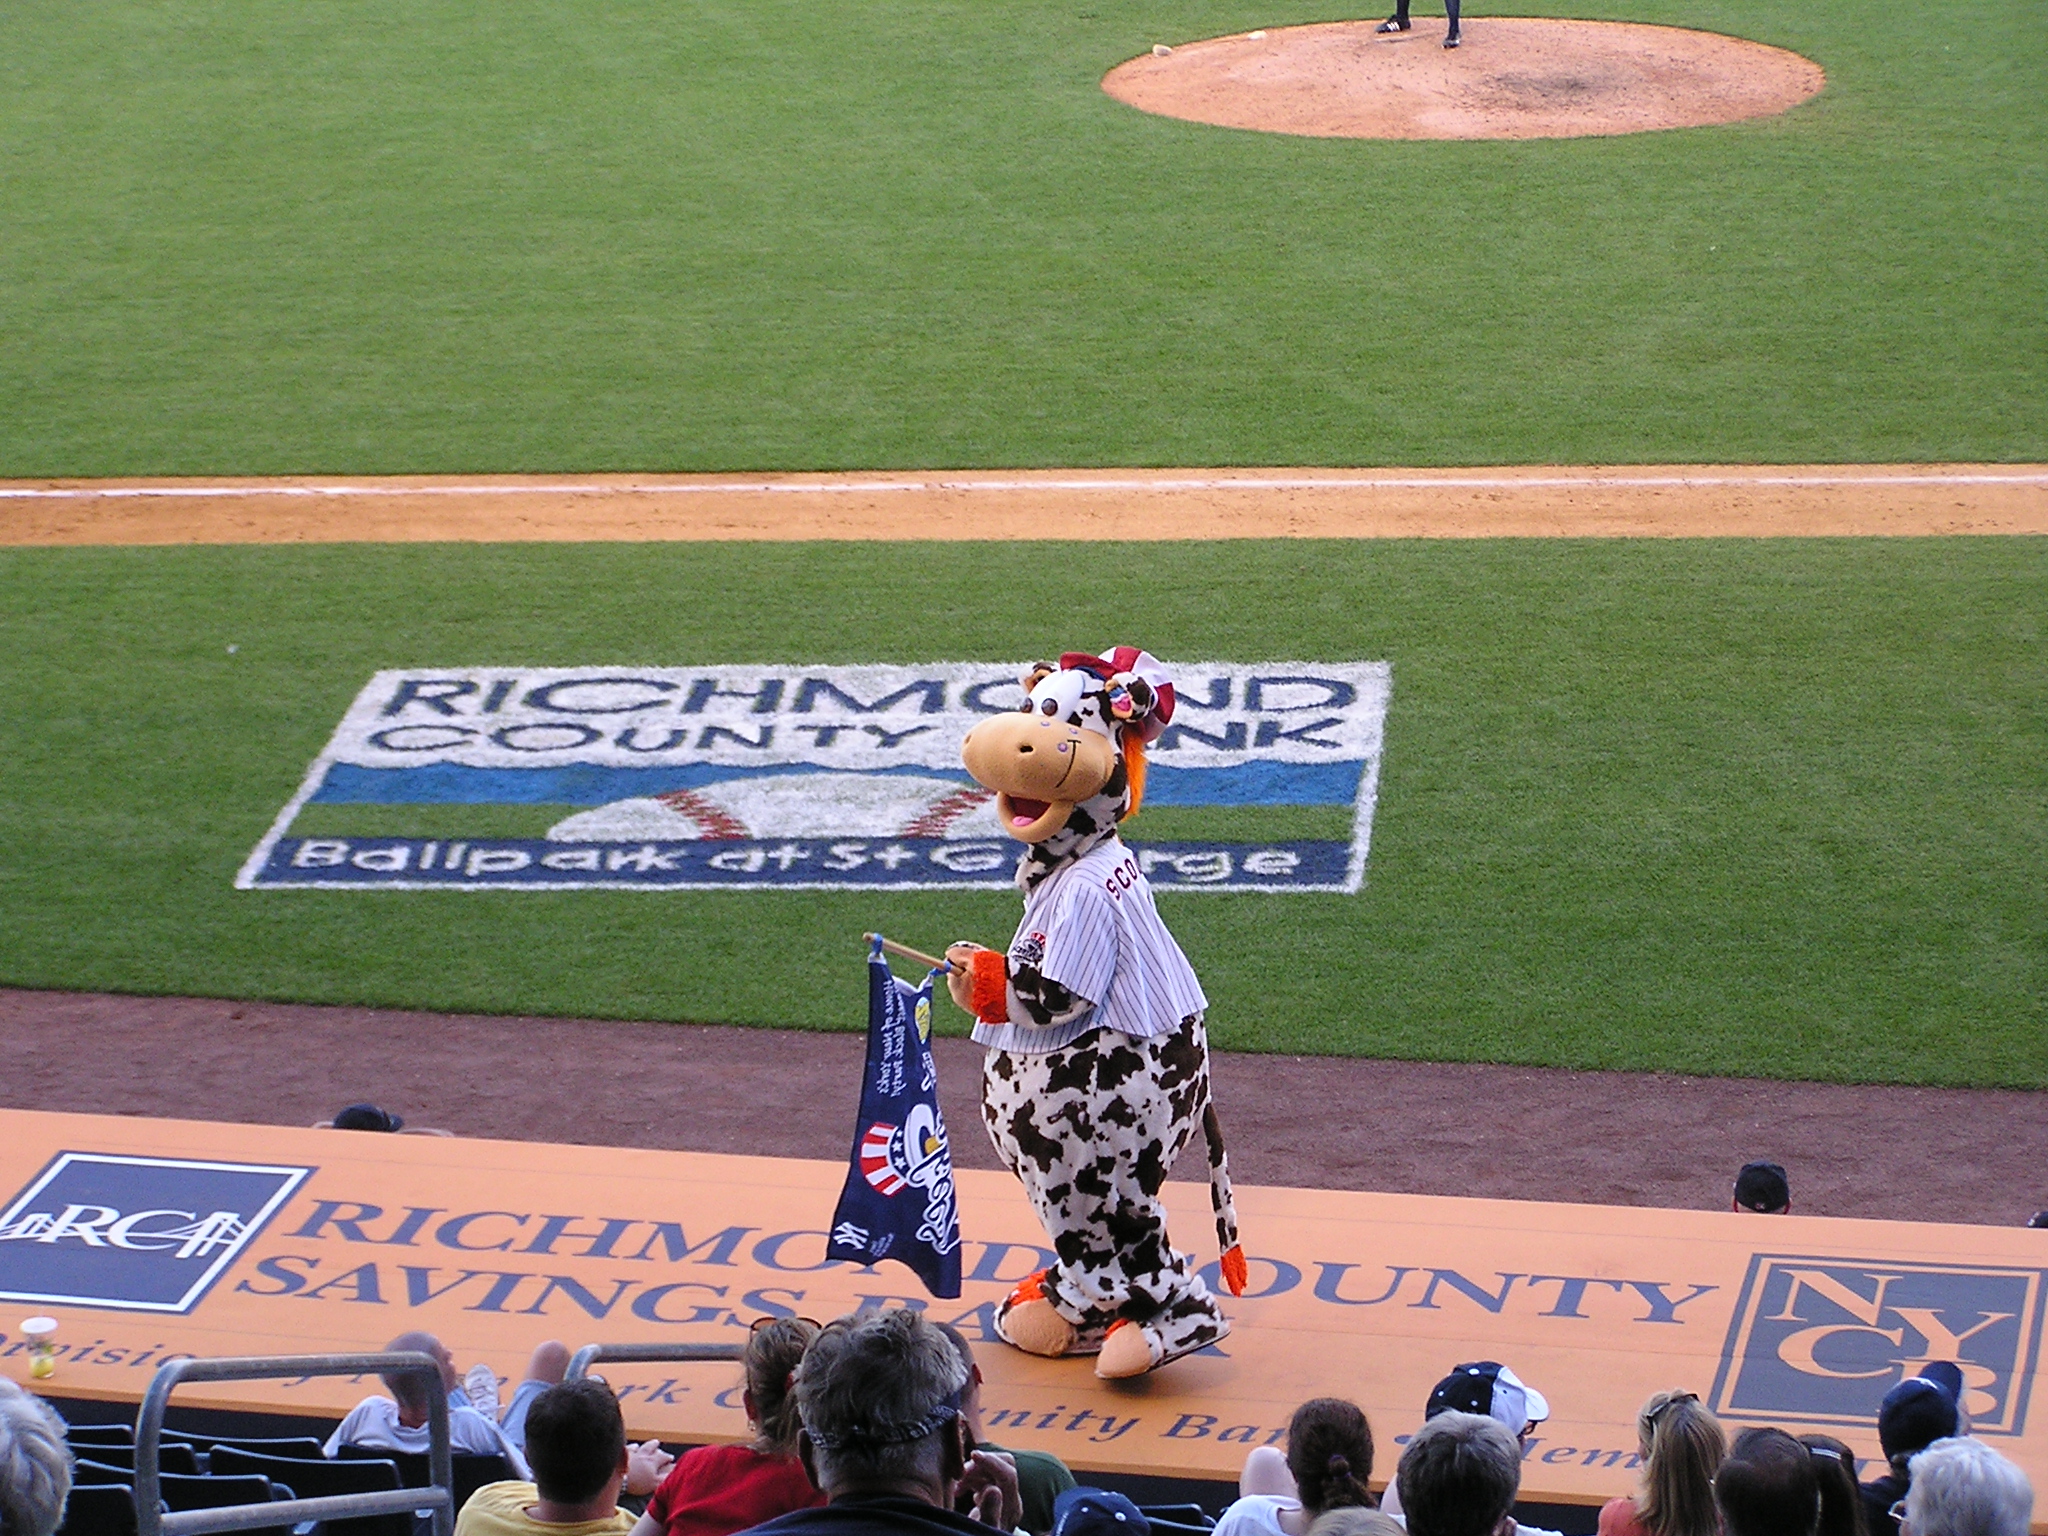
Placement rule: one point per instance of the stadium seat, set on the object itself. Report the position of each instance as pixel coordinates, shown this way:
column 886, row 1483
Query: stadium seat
column 103, row 1509
column 415, row 1470
column 220, row 1492
column 85, row 1472
column 100, row 1434
column 298, row 1447
column 171, row 1456
column 323, row 1479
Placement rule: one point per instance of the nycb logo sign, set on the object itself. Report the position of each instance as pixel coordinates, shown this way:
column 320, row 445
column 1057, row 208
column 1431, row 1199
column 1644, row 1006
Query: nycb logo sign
column 148, row 1234
column 1821, row 1340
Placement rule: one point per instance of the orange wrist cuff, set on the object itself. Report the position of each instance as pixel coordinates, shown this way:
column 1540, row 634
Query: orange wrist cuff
column 988, row 976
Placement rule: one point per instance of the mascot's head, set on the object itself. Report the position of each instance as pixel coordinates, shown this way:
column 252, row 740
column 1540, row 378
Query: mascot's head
column 1069, row 763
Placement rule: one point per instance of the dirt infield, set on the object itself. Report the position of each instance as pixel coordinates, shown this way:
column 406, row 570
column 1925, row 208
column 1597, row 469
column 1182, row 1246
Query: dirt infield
column 1333, row 1123
column 1516, row 77
column 1650, row 501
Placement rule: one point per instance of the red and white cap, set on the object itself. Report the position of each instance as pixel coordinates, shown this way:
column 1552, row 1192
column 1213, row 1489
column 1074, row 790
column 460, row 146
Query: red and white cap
column 1150, row 704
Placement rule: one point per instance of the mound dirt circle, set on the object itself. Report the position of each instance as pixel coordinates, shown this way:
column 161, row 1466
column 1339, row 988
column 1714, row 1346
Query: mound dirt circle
column 1516, row 77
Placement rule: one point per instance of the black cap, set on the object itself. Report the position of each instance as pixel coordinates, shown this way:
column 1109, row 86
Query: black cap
column 1919, row 1410
column 367, row 1117
column 1761, row 1187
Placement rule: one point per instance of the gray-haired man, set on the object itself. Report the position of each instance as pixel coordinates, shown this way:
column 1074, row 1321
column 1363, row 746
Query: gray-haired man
column 883, row 1436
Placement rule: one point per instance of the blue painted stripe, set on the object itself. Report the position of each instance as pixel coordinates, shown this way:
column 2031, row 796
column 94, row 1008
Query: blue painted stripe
column 1261, row 782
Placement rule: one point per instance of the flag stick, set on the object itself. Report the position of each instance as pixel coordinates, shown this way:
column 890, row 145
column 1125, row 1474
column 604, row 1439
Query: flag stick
column 910, row 954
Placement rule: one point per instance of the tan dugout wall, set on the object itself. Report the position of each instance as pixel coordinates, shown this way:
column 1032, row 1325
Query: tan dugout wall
column 1798, row 1321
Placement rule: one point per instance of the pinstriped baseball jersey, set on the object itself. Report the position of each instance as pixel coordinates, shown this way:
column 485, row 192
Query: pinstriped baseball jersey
column 1092, row 928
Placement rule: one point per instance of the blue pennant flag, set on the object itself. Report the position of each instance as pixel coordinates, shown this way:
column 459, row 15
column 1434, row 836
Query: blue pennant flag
column 898, row 1202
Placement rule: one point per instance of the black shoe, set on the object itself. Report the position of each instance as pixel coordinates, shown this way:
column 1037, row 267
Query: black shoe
column 1451, row 41
column 1392, row 24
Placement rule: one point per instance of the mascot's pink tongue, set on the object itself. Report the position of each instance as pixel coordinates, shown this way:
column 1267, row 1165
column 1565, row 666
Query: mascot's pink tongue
column 1024, row 812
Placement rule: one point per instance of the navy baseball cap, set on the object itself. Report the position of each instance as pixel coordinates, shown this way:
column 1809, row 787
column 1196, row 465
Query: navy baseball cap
column 1097, row 1512
column 1761, row 1187
column 1920, row 1410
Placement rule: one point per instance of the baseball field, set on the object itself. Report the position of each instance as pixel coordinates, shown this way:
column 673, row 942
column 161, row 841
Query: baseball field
column 1768, row 807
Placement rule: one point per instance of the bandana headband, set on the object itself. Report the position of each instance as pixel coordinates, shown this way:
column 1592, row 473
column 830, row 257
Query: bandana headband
column 942, row 1413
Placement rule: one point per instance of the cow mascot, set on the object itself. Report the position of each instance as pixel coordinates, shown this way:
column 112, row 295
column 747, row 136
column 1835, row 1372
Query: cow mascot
column 1097, row 1072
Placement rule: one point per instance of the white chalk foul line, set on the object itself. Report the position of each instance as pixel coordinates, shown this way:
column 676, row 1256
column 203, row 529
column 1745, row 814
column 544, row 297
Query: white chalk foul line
column 1102, row 483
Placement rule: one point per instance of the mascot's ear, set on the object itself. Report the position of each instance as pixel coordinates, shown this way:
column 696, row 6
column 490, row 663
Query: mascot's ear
column 1037, row 673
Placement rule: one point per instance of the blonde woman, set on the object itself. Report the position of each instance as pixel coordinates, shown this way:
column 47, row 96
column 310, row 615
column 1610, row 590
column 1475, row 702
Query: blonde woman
column 1682, row 1446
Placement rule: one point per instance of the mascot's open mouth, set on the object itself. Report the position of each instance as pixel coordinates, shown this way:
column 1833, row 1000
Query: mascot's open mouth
column 1023, row 812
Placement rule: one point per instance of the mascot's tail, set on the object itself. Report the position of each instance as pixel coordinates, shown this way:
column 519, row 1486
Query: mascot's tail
column 1231, row 1264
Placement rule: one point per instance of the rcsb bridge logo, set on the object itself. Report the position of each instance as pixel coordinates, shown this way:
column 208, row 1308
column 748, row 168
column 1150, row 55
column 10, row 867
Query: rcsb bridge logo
column 145, row 1234
column 1821, row 1340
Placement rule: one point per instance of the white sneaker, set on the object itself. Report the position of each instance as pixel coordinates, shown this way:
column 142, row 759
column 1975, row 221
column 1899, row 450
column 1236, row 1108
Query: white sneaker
column 480, row 1386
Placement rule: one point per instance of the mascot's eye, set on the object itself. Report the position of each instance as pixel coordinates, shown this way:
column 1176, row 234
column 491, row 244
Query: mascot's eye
column 1026, row 706
column 1049, row 707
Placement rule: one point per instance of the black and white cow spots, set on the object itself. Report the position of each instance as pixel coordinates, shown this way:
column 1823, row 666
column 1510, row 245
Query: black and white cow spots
column 1091, row 1131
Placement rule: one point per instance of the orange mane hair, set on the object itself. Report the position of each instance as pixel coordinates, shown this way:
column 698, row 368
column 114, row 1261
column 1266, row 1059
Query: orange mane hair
column 1134, row 770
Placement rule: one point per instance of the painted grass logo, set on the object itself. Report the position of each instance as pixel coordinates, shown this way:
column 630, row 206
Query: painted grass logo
column 798, row 777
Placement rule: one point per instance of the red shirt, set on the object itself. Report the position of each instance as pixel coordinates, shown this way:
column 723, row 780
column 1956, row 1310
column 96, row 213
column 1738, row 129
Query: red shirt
column 716, row 1490
column 1618, row 1518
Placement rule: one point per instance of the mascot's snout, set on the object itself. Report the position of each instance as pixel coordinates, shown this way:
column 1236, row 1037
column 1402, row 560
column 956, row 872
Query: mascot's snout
column 1040, row 768
column 1079, row 733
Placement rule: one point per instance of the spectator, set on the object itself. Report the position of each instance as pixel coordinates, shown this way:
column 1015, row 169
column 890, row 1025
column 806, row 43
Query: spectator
column 879, row 1395
column 1761, row 1187
column 35, row 1464
column 1328, row 1460
column 1681, row 1445
column 1841, row 1501
column 1962, row 1487
column 718, row 1489
column 1459, row 1477
column 399, row 1422
column 1041, row 1476
column 1914, row 1414
column 1491, row 1390
column 1767, row 1486
column 576, row 1438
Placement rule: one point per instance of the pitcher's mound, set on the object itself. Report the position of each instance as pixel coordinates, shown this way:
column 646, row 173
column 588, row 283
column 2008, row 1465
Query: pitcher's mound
column 1516, row 78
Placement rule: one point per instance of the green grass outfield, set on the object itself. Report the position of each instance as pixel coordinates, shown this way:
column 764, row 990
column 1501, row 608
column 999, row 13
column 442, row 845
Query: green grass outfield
column 1768, row 807
column 431, row 235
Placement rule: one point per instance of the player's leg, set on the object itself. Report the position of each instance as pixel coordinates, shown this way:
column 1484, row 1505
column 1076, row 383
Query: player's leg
column 1451, row 38
column 1398, row 22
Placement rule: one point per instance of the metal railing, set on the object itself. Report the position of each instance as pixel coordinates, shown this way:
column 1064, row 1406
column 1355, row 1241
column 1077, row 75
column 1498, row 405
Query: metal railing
column 438, row 1498
column 634, row 1354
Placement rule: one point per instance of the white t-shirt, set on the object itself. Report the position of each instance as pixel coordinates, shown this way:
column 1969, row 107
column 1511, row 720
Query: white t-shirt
column 373, row 1423
column 1092, row 928
column 1256, row 1514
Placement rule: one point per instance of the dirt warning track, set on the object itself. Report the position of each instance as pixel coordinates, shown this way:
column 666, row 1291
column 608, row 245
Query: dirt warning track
column 1651, row 501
